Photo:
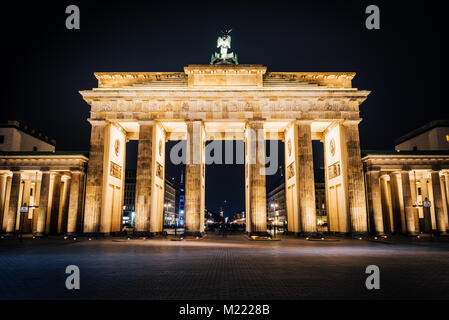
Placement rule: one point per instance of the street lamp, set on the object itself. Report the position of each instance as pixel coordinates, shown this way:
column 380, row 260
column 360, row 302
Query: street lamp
column 275, row 206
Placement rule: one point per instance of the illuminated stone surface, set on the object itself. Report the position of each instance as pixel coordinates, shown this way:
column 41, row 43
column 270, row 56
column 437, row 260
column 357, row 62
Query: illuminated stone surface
column 224, row 101
column 398, row 185
column 42, row 181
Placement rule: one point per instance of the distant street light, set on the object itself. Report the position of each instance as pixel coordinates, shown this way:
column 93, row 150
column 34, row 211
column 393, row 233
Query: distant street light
column 274, row 205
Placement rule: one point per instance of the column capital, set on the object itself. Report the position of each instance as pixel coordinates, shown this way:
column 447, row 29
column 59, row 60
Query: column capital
column 145, row 122
column 351, row 122
column 303, row 122
column 97, row 122
column 65, row 177
column 254, row 123
column 76, row 171
column 384, row 175
column 255, row 120
column 187, row 121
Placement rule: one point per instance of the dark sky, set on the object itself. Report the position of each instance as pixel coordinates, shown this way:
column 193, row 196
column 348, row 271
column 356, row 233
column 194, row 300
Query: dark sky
column 45, row 65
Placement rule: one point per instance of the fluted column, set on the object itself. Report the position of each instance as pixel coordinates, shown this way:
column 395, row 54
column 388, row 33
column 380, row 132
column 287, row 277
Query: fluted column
column 446, row 182
column 144, row 178
column 6, row 205
column 74, row 208
column 13, row 202
column 255, row 148
column 64, row 210
column 52, row 217
column 398, row 202
column 306, row 178
column 438, row 199
column 94, row 183
column 429, row 217
column 3, row 189
column 374, row 201
column 194, row 177
column 410, row 211
column 356, row 185
column 444, row 196
column 43, row 204
column 387, row 207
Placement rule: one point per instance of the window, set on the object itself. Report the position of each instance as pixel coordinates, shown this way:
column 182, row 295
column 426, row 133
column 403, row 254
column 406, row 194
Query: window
column 34, row 148
column 2, row 139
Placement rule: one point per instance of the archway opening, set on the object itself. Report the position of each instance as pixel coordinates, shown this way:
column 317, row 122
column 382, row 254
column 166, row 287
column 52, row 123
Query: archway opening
column 225, row 209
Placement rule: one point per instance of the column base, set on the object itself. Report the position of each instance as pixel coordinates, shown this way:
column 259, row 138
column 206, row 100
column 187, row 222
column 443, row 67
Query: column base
column 339, row 234
column 40, row 235
column 93, row 235
column 260, row 235
column 313, row 234
column 360, row 235
column 8, row 235
column 71, row 234
column 142, row 234
column 191, row 235
column 379, row 234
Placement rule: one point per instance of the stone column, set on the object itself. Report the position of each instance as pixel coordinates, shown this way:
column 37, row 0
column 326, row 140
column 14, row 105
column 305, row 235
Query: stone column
column 410, row 211
column 444, row 195
column 3, row 189
column 63, row 211
column 398, row 202
column 158, row 183
column 74, row 208
column 6, row 205
column 356, row 184
column 429, row 218
column 446, row 182
column 387, row 208
column 255, row 148
column 52, row 217
column 26, row 195
column 144, row 178
column 306, row 178
column 43, row 204
column 194, row 177
column 94, row 184
column 438, row 203
column 374, row 201
column 13, row 203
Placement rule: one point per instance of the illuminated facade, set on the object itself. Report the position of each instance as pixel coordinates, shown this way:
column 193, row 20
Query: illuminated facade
column 219, row 102
column 408, row 191
column 50, row 184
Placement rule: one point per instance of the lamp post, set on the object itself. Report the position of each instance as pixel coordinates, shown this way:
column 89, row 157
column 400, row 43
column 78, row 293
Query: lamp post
column 274, row 206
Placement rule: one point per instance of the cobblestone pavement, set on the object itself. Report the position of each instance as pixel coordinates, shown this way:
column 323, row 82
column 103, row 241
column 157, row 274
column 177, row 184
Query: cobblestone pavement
column 222, row 268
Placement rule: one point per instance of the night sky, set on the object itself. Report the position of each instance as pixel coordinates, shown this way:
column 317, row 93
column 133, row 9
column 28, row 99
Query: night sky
column 45, row 65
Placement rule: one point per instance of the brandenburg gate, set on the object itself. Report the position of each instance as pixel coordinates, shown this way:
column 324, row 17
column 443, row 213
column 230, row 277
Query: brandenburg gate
column 217, row 102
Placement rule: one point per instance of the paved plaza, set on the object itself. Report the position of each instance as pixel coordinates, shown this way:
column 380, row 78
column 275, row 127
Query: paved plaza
column 222, row 268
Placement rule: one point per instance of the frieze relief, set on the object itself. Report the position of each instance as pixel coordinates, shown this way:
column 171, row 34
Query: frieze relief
column 212, row 106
